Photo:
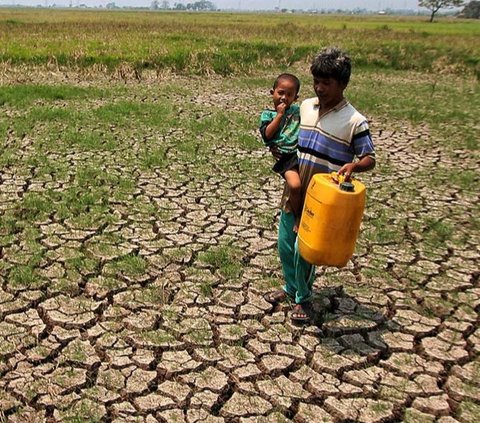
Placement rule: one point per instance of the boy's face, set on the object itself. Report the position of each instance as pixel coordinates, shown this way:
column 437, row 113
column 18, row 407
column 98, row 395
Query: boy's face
column 329, row 91
column 285, row 92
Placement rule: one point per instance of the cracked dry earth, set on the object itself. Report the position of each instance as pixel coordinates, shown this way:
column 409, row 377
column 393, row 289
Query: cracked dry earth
column 395, row 336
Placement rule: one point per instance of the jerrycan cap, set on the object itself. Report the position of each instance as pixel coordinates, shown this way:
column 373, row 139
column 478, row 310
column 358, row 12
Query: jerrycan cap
column 347, row 186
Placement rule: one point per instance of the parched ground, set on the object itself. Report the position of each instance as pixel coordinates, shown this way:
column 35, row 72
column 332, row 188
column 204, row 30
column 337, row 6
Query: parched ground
column 143, row 303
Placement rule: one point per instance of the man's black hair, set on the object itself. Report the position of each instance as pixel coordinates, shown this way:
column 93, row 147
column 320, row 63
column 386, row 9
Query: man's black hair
column 333, row 63
column 289, row 76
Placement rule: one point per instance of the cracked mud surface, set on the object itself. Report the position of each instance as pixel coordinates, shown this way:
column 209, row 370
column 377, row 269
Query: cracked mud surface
column 180, row 337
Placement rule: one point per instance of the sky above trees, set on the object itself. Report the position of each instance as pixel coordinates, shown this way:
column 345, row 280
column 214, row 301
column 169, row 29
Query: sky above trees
column 246, row 4
column 374, row 5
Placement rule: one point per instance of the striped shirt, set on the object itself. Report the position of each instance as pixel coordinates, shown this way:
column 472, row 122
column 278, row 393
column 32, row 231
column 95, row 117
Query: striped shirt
column 328, row 142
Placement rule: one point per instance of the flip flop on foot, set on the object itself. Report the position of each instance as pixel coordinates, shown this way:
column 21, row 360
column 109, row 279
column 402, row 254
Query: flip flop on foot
column 278, row 296
column 301, row 313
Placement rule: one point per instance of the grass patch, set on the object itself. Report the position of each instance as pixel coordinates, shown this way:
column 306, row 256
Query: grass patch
column 21, row 95
column 450, row 119
column 131, row 265
column 88, row 141
column 380, row 228
column 129, row 113
column 34, row 206
column 437, row 232
column 206, row 289
column 153, row 158
column 467, row 179
column 25, row 277
column 226, row 259
column 82, row 264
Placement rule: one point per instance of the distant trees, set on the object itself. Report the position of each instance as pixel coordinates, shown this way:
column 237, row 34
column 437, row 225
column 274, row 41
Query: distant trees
column 201, row 5
column 155, row 5
column 435, row 5
column 472, row 10
column 198, row 5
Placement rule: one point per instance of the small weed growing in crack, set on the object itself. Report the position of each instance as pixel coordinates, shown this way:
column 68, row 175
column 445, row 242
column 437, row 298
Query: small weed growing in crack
column 131, row 265
column 226, row 259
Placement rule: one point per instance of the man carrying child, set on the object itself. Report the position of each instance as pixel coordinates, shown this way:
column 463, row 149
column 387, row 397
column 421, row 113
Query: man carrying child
column 333, row 137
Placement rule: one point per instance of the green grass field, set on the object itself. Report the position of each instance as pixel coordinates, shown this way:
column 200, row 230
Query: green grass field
column 197, row 43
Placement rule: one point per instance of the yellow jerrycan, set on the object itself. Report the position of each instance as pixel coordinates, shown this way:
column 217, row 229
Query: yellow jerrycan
column 331, row 218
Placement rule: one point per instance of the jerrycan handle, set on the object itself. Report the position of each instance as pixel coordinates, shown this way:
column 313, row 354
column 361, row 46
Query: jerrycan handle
column 342, row 184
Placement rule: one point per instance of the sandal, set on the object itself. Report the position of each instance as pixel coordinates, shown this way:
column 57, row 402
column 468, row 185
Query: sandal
column 278, row 296
column 301, row 313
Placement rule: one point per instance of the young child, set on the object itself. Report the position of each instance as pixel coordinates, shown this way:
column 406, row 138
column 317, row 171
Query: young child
column 279, row 130
column 333, row 136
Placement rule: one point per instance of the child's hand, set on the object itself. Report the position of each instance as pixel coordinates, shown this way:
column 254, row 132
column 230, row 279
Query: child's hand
column 281, row 108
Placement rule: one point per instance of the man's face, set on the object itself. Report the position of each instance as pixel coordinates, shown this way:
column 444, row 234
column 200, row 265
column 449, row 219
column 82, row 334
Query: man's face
column 329, row 91
column 285, row 92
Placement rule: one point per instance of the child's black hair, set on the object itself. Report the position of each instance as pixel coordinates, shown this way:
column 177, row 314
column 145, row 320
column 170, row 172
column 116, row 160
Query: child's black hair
column 290, row 77
column 333, row 63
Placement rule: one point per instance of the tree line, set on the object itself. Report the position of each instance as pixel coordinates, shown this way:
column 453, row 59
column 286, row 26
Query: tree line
column 471, row 9
column 198, row 5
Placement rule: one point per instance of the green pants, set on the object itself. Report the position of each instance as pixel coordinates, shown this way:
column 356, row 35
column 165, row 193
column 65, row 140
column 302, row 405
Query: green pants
column 298, row 274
